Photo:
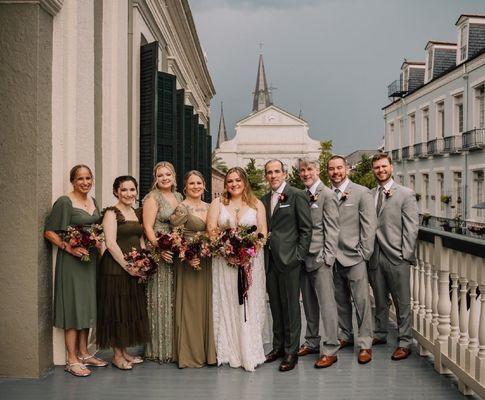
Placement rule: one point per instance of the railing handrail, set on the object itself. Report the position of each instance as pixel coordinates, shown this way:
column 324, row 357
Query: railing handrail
column 454, row 241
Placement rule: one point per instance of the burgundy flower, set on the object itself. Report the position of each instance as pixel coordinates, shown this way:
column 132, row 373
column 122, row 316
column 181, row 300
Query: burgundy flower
column 282, row 197
column 344, row 196
column 387, row 193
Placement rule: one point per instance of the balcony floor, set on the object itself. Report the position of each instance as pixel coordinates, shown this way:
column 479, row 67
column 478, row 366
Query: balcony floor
column 414, row 378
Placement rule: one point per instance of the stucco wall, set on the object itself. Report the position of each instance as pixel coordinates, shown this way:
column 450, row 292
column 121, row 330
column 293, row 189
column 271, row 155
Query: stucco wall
column 25, row 190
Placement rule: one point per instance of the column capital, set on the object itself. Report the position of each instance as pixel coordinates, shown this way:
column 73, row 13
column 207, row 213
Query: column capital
column 51, row 6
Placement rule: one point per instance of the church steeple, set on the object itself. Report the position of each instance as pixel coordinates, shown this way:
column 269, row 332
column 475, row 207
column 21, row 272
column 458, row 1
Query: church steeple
column 222, row 134
column 262, row 97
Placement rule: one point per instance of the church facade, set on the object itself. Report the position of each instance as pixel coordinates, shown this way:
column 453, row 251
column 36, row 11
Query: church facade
column 268, row 132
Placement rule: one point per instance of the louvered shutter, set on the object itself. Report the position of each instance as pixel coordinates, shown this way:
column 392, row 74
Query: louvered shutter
column 167, row 119
column 148, row 114
column 188, row 128
column 180, row 169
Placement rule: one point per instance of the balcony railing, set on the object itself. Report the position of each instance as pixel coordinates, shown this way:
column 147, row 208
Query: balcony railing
column 395, row 155
column 431, row 147
column 405, row 153
column 448, row 313
column 395, row 89
column 452, row 144
column 417, row 149
column 474, row 139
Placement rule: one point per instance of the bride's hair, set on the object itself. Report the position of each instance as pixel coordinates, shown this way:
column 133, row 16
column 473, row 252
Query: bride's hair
column 247, row 196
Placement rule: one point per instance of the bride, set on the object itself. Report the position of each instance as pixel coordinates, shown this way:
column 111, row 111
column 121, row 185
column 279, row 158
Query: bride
column 238, row 331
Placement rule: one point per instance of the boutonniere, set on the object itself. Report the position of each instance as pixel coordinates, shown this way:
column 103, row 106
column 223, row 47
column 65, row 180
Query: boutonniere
column 344, row 196
column 387, row 193
column 314, row 197
column 282, row 197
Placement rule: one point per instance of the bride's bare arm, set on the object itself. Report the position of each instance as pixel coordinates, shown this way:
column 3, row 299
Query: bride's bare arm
column 261, row 218
column 212, row 216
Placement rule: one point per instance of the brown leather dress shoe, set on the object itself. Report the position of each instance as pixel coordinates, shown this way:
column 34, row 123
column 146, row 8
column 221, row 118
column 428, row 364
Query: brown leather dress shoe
column 273, row 355
column 345, row 343
column 325, row 361
column 305, row 350
column 401, row 353
column 365, row 356
column 377, row 341
column 288, row 363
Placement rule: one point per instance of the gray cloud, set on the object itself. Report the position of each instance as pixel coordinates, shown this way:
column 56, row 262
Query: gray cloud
column 252, row 4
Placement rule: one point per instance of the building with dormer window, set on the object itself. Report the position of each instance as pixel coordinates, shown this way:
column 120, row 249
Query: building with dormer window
column 435, row 125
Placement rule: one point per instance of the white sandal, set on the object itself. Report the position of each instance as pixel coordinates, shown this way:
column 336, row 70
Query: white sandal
column 136, row 360
column 82, row 367
column 85, row 362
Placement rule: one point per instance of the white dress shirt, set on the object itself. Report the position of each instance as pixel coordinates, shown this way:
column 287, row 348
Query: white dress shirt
column 275, row 196
column 341, row 188
column 387, row 187
column 312, row 189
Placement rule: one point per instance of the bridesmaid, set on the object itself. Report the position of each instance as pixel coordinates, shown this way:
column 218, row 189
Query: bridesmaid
column 158, row 205
column 75, row 280
column 194, row 334
column 122, row 313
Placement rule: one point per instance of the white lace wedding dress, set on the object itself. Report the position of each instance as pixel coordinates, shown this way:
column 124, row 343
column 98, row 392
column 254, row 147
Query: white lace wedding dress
column 239, row 343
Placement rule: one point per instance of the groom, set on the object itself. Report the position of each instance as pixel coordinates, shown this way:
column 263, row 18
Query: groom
column 290, row 227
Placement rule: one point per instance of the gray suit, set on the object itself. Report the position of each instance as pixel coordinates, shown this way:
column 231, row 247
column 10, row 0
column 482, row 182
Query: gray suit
column 356, row 243
column 317, row 277
column 397, row 231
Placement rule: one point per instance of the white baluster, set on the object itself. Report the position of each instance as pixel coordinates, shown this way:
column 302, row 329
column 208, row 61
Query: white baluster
column 428, row 302
column 480, row 360
column 416, row 295
column 463, row 321
column 444, row 308
column 472, row 329
column 422, row 297
column 434, row 321
column 455, row 330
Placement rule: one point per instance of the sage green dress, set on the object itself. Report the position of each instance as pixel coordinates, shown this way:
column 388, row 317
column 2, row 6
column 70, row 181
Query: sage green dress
column 160, row 291
column 75, row 280
column 194, row 344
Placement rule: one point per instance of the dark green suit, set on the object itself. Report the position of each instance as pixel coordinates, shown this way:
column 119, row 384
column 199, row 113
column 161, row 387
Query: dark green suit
column 290, row 229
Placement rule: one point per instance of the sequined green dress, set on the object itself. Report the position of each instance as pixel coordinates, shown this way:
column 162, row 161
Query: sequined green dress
column 75, row 280
column 160, row 291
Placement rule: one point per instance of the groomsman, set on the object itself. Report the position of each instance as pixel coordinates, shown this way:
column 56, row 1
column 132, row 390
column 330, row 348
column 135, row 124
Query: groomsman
column 355, row 246
column 290, row 227
column 394, row 251
column 316, row 279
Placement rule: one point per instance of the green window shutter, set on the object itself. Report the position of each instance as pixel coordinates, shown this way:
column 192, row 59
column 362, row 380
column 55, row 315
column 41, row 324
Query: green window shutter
column 195, row 142
column 148, row 114
column 167, row 119
column 180, row 169
column 202, row 149
column 188, row 141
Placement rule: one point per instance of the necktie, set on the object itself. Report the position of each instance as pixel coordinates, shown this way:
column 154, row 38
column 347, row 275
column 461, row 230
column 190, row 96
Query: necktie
column 379, row 200
column 337, row 192
column 308, row 192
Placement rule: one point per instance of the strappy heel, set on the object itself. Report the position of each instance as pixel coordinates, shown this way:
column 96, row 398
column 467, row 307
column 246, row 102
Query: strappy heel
column 86, row 362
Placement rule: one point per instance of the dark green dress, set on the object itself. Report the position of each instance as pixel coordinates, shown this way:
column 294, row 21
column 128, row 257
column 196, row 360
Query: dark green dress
column 122, row 308
column 75, row 280
column 194, row 344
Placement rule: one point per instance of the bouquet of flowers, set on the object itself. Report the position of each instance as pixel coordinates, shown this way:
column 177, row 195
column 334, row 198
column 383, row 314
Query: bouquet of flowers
column 85, row 236
column 197, row 246
column 238, row 246
column 170, row 241
column 141, row 261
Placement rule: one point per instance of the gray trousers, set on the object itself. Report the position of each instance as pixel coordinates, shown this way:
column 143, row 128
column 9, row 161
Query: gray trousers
column 385, row 279
column 352, row 285
column 319, row 302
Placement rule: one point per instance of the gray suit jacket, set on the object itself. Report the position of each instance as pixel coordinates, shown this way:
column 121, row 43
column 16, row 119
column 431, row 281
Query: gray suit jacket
column 397, row 227
column 325, row 230
column 358, row 223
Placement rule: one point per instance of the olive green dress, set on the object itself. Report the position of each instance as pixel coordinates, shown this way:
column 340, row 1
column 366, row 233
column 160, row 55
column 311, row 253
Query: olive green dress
column 194, row 344
column 122, row 307
column 75, row 280
column 160, row 291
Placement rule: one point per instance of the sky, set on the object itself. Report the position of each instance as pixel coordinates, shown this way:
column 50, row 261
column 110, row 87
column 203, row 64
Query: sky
column 331, row 59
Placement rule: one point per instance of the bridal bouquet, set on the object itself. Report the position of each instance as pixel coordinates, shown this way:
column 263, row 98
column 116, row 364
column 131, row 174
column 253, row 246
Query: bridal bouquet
column 170, row 241
column 85, row 236
column 141, row 261
column 197, row 246
column 238, row 246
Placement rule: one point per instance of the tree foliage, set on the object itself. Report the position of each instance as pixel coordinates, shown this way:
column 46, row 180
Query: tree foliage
column 218, row 163
column 256, row 178
column 362, row 174
column 325, row 154
column 294, row 178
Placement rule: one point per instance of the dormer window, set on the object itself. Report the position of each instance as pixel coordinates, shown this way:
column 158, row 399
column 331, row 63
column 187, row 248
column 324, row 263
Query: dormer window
column 463, row 42
column 429, row 65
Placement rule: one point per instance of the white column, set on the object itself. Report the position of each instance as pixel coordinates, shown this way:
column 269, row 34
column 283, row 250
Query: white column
column 428, row 302
column 463, row 340
column 473, row 321
column 480, row 361
column 434, row 321
column 455, row 330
